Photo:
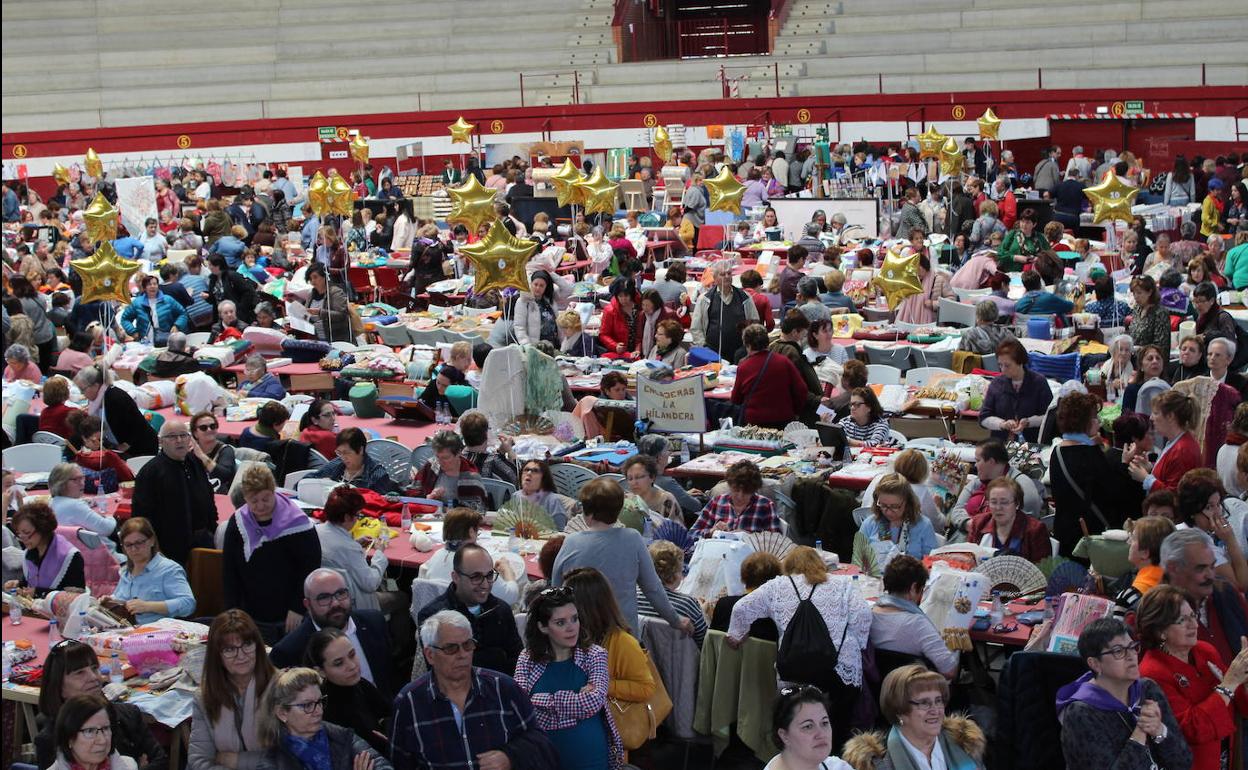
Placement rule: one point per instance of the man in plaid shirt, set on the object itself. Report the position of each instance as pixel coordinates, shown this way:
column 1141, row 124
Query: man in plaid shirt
column 460, row 717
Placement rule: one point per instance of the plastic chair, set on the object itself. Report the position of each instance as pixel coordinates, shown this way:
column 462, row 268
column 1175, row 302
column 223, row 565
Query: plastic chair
column 861, row 515
column 880, row 374
column 955, row 313
column 48, row 437
column 919, row 376
column 966, row 295
column 499, row 491
column 898, row 357
column 197, row 339
column 345, row 347
column 941, row 359
column 421, row 455
column 569, row 478
column 362, row 282
column 396, row 458
column 989, row 362
column 393, row 336
column 32, row 458
column 293, row 478
column 136, row 463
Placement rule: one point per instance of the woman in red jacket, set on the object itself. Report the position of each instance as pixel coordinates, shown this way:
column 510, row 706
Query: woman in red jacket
column 622, row 322
column 1204, row 700
column 768, row 384
column 1174, row 416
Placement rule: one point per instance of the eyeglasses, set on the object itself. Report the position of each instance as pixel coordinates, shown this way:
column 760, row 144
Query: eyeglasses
column 891, row 506
column 1186, row 618
column 1119, row 653
column 206, row 426
column 454, row 648
column 309, row 707
column 929, row 704
column 324, row 600
column 856, row 404
column 176, row 437
column 234, row 651
column 136, row 543
column 95, row 733
column 477, row 578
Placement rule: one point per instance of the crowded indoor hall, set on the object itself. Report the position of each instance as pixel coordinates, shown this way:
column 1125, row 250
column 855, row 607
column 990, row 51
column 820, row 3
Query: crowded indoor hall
column 764, row 419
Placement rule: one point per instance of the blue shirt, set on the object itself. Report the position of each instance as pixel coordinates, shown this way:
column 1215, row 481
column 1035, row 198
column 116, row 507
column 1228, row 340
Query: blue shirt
column 162, row 580
column 287, row 187
column 838, row 299
column 229, row 247
column 12, row 207
column 74, row 512
column 307, row 236
column 1112, row 312
column 128, row 247
column 922, row 536
column 1043, row 303
column 154, row 247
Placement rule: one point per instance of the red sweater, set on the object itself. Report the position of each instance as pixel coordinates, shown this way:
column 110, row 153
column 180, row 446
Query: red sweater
column 763, row 306
column 1031, row 535
column 1203, row 716
column 323, row 441
column 1179, row 459
column 54, row 419
column 614, row 327
column 778, row 398
column 105, row 458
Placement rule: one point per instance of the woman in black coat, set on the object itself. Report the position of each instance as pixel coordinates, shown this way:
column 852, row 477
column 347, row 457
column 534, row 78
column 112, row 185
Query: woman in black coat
column 131, row 432
column 225, row 283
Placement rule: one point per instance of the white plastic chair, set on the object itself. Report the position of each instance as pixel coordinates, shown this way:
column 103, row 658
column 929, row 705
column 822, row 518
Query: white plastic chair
column 293, row 478
column 499, row 491
column 955, row 313
column 48, row 437
column 394, row 457
column 32, row 458
column 966, row 295
column 881, row 374
column 136, row 463
column 315, row 491
column 861, row 515
column 197, row 340
column 569, row 478
column 345, row 347
column 897, row 357
column 919, row 376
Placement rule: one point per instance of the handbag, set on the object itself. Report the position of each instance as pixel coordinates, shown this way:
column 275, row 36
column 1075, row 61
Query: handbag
column 638, row 721
column 738, row 410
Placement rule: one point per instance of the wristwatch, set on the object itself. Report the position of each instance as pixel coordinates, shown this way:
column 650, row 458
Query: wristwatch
column 1228, row 692
column 1161, row 736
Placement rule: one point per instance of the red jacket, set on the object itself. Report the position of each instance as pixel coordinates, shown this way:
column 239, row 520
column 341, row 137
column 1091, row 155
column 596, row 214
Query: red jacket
column 1031, row 535
column 1203, row 716
column 1007, row 210
column 1181, row 458
column 763, row 306
column 778, row 398
column 105, row 458
column 54, row 419
column 614, row 327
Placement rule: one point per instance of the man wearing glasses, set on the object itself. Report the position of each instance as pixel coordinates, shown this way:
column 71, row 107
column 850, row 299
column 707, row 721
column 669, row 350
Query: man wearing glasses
column 459, row 715
column 498, row 642
column 328, row 601
column 172, row 491
column 1188, row 557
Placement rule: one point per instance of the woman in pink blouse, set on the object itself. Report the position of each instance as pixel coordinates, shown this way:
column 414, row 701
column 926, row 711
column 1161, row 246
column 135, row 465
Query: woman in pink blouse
column 921, row 308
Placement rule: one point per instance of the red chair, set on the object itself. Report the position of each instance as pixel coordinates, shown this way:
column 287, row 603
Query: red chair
column 711, row 237
column 362, row 281
column 389, row 288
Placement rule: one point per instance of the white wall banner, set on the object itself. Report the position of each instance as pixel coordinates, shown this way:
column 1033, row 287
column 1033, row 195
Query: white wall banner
column 136, row 202
column 678, row 406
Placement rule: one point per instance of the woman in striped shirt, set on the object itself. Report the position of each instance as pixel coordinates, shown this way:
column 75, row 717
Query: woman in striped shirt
column 866, row 424
column 669, row 563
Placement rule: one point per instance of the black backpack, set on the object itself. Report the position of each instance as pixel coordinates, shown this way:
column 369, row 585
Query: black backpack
column 807, row 654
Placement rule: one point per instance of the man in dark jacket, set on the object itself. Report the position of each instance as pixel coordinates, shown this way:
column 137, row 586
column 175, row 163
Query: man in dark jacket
column 328, row 601
column 493, row 626
column 173, row 493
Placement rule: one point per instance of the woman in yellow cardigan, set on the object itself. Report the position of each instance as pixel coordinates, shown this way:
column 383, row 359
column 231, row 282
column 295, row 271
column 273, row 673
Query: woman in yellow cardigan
column 604, row 623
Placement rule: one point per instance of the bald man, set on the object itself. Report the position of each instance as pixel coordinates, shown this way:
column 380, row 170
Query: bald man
column 173, row 492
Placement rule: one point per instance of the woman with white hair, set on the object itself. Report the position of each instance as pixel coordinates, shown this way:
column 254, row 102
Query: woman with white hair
column 1118, row 371
column 260, row 382
column 19, row 366
column 65, row 484
column 1219, row 353
column 125, row 428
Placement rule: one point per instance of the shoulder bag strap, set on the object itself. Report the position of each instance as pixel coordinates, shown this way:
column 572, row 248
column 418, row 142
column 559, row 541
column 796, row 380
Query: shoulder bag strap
column 1061, row 462
column 759, row 378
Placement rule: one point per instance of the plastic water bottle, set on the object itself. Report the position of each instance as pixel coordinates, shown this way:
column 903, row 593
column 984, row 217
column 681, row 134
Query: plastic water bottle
column 116, row 672
column 101, row 502
column 15, row 613
column 405, row 519
column 997, row 614
column 54, row 633
column 684, row 452
column 513, row 542
column 819, row 547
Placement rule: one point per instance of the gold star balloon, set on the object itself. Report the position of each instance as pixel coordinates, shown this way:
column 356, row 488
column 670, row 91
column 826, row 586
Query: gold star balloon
column 565, row 181
column 318, row 194
column 898, row 277
column 472, row 204
column 101, row 219
column 989, row 124
column 340, row 195
column 105, row 275
column 599, row 193
column 662, row 144
column 726, row 192
column 92, row 164
column 1111, row 199
column 499, row 260
column 951, row 158
column 359, row 149
column 60, row 174
column 930, row 142
column 461, row 131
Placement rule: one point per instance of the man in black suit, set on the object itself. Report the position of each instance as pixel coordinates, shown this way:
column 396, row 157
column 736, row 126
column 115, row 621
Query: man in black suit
column 493, row 625
column 328, row 601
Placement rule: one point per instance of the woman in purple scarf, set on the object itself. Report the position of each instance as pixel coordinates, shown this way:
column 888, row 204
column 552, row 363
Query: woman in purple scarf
column 51, row 562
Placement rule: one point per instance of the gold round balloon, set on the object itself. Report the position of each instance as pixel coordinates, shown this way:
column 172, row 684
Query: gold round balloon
column 472, row 204
column 898, row 277
column 951, row 158
column 318, row 194
column 989, row 124
column 105, row 275
column 565, row 181
column 461, row 131
column 499, row 260
column 1111, row 199
column 101, row 219
column 60, row 174
column 930, row 142
column 341, row 196
column 726, row 192
column 359, row 149
column 662, row 144
column 92, row 164
column 599, row 193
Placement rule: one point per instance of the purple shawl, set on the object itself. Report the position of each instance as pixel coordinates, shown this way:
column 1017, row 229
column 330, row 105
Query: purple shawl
column 1085, row 689
column 287, row 519
column 50, row 571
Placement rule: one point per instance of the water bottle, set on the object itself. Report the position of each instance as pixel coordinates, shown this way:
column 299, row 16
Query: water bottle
column 117, row 673
column 82, row 623
column 441, row 414
column 819, row 547
column 513, row 542
column 684, row 451
column 54, row 633
column 101, row 502
column 15, row 613
column 405, row 519
column 997, row 615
